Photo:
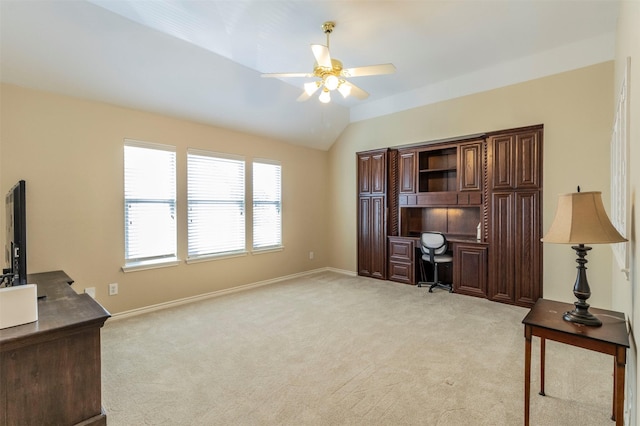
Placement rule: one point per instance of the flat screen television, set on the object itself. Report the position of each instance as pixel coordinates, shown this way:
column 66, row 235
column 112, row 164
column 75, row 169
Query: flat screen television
column 15, row 260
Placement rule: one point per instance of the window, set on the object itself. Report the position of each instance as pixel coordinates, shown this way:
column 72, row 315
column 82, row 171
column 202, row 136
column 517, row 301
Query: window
column 216, row 207
column 267, row 205
column 149, row 203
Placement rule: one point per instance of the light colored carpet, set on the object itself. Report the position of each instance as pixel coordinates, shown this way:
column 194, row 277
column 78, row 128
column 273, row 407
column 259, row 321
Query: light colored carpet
column 330, row 349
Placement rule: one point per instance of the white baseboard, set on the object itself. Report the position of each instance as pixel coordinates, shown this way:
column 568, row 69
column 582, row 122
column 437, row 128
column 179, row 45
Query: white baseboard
column 342, row 271
column 178, row 302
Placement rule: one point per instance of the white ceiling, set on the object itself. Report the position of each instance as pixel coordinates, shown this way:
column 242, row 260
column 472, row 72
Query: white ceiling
column 202, row 60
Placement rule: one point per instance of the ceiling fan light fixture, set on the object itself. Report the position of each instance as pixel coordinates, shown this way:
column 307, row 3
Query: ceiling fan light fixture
column 331, row 75
column 345, row 90
column 325, row 96
column 331, row 82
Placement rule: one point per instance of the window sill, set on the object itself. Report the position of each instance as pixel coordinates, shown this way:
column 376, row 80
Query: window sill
column 153, row 264
column 267, row 250
column 210, row 257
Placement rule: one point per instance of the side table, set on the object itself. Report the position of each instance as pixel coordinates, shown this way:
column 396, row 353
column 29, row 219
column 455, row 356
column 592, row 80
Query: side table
column 545, row 321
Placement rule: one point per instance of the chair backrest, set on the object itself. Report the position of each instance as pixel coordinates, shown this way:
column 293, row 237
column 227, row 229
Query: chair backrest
column 433, row 243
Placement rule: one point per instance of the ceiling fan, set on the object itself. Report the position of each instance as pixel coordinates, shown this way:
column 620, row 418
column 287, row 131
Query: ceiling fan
column 331, row 75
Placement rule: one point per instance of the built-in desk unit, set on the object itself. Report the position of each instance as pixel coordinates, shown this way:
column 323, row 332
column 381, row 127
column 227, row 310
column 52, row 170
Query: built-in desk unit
column 482, row 191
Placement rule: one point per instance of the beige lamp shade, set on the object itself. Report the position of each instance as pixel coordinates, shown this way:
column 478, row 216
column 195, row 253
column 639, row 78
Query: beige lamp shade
column 582, row 219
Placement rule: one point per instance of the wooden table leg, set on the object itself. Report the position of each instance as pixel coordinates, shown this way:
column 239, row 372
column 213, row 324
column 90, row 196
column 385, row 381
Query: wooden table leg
column 615, row 387
column 542, row 364
column 618, row 381
column 527, row 372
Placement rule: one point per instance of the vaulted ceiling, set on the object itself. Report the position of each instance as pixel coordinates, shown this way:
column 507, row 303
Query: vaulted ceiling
column 203, row 60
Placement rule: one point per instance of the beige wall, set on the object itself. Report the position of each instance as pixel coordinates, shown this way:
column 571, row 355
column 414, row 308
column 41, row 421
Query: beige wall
column 70, row 152
column 625, row 291
column 575, row 108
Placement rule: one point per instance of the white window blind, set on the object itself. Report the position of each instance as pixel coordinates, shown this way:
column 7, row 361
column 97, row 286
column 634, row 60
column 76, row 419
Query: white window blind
column 267, row 205
column 216, row 207
column 150, row 202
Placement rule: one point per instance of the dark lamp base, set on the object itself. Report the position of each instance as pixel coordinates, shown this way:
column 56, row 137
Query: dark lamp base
column 583, row 317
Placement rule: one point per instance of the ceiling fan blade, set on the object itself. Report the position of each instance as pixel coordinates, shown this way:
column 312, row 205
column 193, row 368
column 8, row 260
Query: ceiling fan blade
column 303, row 97
column 356, row 91
column 321, row 53
column 369, row 70
column 288, row 74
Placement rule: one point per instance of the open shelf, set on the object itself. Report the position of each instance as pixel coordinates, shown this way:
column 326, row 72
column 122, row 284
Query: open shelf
column 459, row 221
column 437, row 170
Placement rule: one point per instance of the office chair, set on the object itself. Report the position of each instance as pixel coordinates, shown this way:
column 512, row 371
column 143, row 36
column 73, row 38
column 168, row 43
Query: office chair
column 434, row 248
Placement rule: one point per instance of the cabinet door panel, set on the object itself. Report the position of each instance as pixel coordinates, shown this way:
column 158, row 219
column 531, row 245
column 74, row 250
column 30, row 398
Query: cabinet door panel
column 372, row 173
column 527, row 248
column 501, row 284
column 470, row 270
column 502, row 162
column 528, row 160
column 470, row 167
column 364, row 174
column 378, row 237
column 364, row 236
column 379, row 173
column 407, row 166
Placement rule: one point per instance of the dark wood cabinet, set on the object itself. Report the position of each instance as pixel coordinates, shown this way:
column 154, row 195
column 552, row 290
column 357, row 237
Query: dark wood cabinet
column 470, row 269
column 50, row 369
column 372, row 173
column 528, row 170
column 401, row 260
column 515, row 255
column 528, row 248
column 372, row 214
column 484, row 191
column 515, row 160
column 407, row 171
column 470, row 166
column 501, row 158
column 502, row 240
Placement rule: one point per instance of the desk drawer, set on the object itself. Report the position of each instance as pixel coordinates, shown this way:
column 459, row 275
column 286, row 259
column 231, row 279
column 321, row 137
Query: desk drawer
column 401, row 260
column 401, row 250
column 401, row 272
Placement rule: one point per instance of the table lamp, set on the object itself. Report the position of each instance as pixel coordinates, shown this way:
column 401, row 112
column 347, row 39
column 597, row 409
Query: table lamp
column 581, row 219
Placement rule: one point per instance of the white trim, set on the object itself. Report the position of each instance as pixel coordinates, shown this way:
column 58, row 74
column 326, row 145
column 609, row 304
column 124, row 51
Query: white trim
column 213, row 154
column 145, row 265
column 342, row 271
column 269, row 249
column 210, row 257
column 149, row 145
column 267, row 161
column 183, row 301
column 620, row 177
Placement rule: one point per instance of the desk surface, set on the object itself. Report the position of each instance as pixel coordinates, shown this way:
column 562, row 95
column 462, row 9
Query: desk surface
column 548, row 314
column 452, row 238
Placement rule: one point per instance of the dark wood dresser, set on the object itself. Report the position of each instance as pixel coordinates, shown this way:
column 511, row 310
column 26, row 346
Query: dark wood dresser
column 50, row 370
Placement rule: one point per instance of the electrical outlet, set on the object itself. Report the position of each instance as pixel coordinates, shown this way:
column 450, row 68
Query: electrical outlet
column 113, row 289
column 91, row 291
column 310, row 255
